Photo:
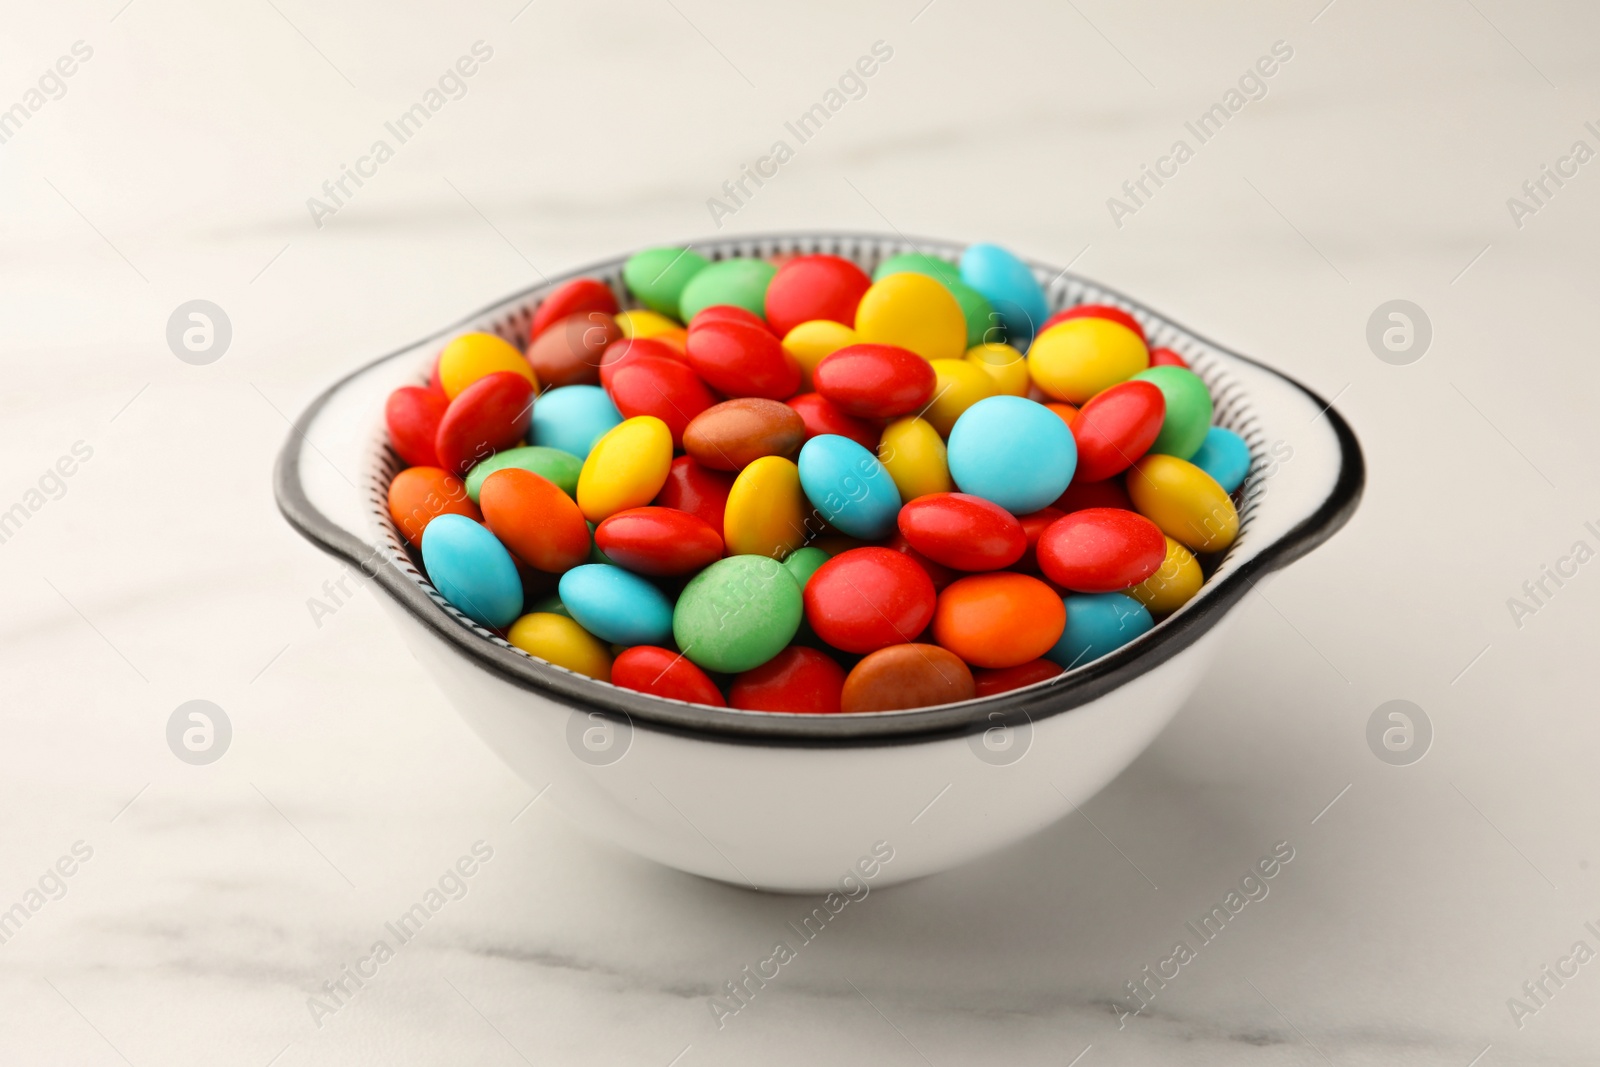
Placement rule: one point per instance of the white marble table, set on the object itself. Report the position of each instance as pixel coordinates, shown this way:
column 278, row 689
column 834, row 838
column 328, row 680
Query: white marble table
column 176, row 164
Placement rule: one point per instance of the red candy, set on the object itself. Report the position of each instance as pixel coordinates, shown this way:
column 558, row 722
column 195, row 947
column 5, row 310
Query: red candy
column 1101, row 550
column 1110, row 493
column 663, row 673
column 580, row 294
column 660, row 542
column 1033, row 526
column 1004, row 679
column 698, row 490
column 964, row 532
column 1166, row 357
column 814, row 287
column 1096, row 311
column 869, row 598
column 822, row 416
column 738, row 359
column 726, row 313
column 938, row 572
column 1117, row 427
column 619, row 352
column 413, row 415
column 798, row 679
column 487, row 416
column 875, row 381
column 665, row 388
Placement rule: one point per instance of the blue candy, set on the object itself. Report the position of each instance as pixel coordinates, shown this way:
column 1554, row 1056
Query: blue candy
column 1010, row 287
column 1098, row 623
column 616, row 605
column 472, row 569
column 572, row 418
column 1012, row 452
column 1224, row 456
column 849, row 487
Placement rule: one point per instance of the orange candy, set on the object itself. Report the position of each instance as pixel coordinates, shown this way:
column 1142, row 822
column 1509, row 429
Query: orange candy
column 532, row 517
column 418, row 495
column 1063, row 409
column 1001, row 619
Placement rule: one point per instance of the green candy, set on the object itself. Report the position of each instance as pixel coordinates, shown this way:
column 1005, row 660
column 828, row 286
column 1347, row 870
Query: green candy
column 737, row 614
column 979, row 313
column 975, row 307
column 657, row 276
column 1188, row 410
column 739, row 282
column 551, row 464
column 595, row 555
column 550, row 605
column 917, row 263
column 803, row 563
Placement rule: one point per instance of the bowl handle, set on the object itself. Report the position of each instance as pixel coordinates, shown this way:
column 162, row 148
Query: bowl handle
column 1307, row 473
column 323, row 475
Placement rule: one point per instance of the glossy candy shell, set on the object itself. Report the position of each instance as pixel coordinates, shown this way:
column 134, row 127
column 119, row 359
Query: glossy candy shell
column 664, row 673
column 472, row 570
column 735, row 433
column 532, row 517
column 869, row 598
column 486, row 417
column 617, row 606
column 906, row 676
column 963, row 531
column 657, row 541
column 798, row 679
column 1100, row 550
column 876, row 381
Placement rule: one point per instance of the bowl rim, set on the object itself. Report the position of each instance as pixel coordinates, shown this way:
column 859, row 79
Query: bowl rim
column 1070, row 690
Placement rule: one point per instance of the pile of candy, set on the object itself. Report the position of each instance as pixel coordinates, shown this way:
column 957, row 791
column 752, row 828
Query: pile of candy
column 782, row 485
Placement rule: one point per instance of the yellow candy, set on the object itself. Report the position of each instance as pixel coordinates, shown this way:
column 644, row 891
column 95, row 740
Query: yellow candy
column 913, row 452
column 626, row 468
column 913, row 311
column 1185, row 501
column 1005, row 365
column 960, row 385
column 766, row 512
column 1076, row 359
column 810, row 341
column 642, row 323
column 1170, row 587
column 563, row 642
column 473, row 355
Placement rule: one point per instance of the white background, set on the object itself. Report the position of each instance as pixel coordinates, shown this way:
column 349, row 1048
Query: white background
column 177, row 166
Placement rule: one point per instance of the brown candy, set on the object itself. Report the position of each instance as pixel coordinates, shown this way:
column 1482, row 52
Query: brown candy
column 907, row 676
column 735, row 433
column 568, row 351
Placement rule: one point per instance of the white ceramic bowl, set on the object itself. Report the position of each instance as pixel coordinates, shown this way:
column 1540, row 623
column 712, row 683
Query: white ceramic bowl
column 795, row 802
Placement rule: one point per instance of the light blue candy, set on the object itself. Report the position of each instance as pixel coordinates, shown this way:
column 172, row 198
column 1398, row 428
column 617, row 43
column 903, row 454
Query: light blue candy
column 616, row 606
column 1098, row 623
column 1224, row 456
column 1012, row 452
column 572, row 418
column 1010, row 287
column 849, row 487
column 472, row 569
